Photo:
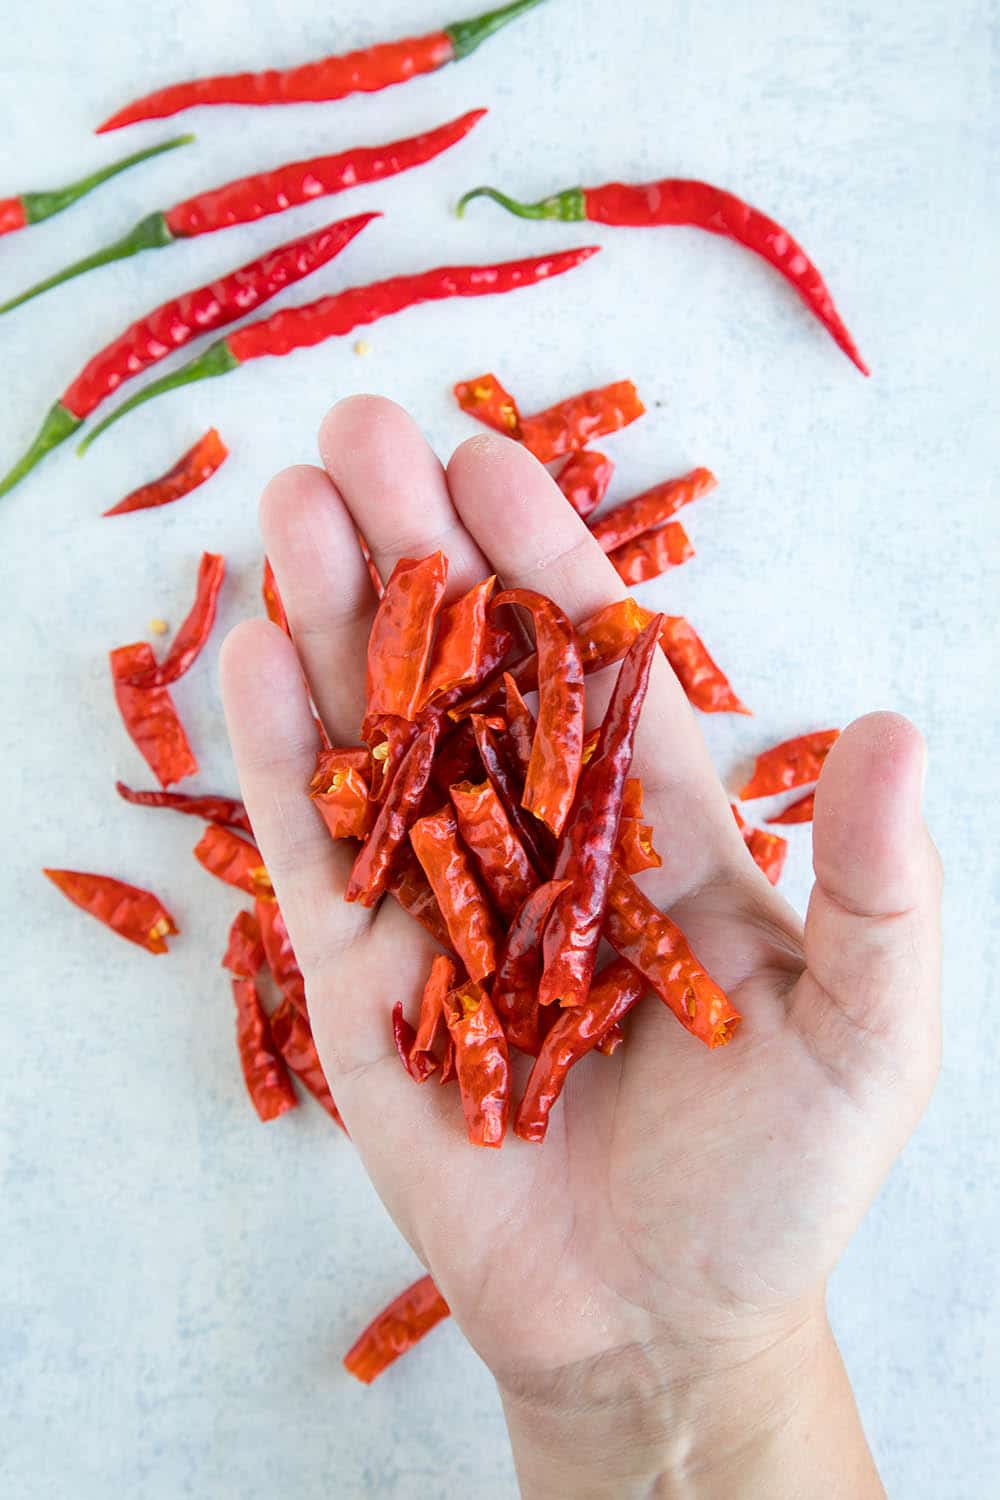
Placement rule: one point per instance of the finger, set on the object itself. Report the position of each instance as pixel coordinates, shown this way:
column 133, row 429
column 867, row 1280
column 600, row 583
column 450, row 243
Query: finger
column 311, row 540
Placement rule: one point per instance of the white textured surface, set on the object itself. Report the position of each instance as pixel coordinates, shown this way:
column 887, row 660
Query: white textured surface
column 178, row 1283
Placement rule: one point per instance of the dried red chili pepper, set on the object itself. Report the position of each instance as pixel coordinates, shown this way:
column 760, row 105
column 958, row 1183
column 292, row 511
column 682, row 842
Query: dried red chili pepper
column 373, row 572
column 674, row 200
column 388, row 738
column 705, row 684
column 279, row 953
column 364, row 72
column 792, row 763
column 187, row 644
column 244, row 955
column 799, row 811
column 585, row 856
column 499, row 855
column 197, row 464
column 264, row 1072
column 651, row 509
column 150, row 717
column 584, row 480
column 660, row 951
column 579, row 420
column 227, row 811
column 32, row 208
column 652, row 554
column 339, row 791
column 520, row 724
column 769, row 851
column 399, row 644
column 397, row 1328
column 372, row 868
column 634, row 847
column 409, row 885
column 251, row 198
column 330, row 317
column 482, row 1062
column 533, row 835
column 233, row 860
column 455, row 660
column 519, row 968
column 131, row 912
column 611, row 1041
column 294, row 1039
column 485, row 399
column 272, row 599
column 612, row 995
column 471, row 924
column 442, row 978
column 419, row 1066
column 176, row 323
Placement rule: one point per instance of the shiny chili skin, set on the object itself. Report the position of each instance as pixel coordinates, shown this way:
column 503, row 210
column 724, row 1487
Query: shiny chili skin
column 294, row 1039
column 442, row 978
column 226, row 856
column 187, row 644
column 769, row 851
column 799, row 811
column 651, row 554
column 482, row 1061
column 580, row 419
column 388, row 738
column 611, row 1040
column 499, row 855
column 455, row 659
column 365, row 72
column 264, row 1071
column 133, row 913
column 705, row 684
column 339, row 791
column 576, row 1032
column 659, row 950
column 534, row 836
column 520, row 724
column 471, row 924
column 409, row 885
column 417, row 1064
column 515, row 985
column 486, row 399
column 397, row 1328
column 12, row 215
column 793, row 763
column 244, row 955
column 150, row 717
column 584, row 480
column 279, row 952
column 585, row 856
column 651, row 509
column 372, row 868
column 399, row 643
column 191, row 470
column 227, row 811
column 272, row 599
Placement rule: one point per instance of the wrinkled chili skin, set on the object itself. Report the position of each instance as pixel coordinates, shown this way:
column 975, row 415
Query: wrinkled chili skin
column 372, row 868
column 499, row 855
column 793, row 763
column 244, row 955
column 191, row 470
column 187, row 644
column 651, row 509
column 442, row 978
column 651, row 554
column 456, row 657
column 634, row 849
column 471, row 924
column 580, row 419
column 150, row 717
column 232, row 859
column 294, row 1039
column 128, row 910
column 279, row 952
column 264, row 1071
column 410, row 886
column 534, row 836
column 340, row 792
column 576, row 1032
column 12, row 215
column 769, row 852
column 417, row 1064
column 482, row 1061
column 515, row 985
column 397, row 1328
column 400, row 640
column 584, row 479
column 707, row 687
column 485, row 399
column 229, row 812
column 799, row 811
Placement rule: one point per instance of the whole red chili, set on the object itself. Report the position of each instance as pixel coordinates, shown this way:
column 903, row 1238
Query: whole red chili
column 650, row 509
column 279, row 952
column 251, row 198
column 131, row 912
column 363, row 72
column 515, row 985
column 272, row 599
column 520, row 724
column 294, row 1040
column 31, row 208
column 176, row 323
column 399, row 807
column 799, row 811
column 397, row 1328
column 499, row 855
column 197, row 464
column 187, row 644
column 399, row 643
column 339, row 791
column 651, row 554
column 705, row 684
column 482, row 1062
column 584, row 480
column 302, row 327
column 471, row 924
column 373, row 572
column 264, row 1072
column 675, row 200
column 227, row 811
column 792, row 763
column 456, row 656
column 233, row 860
column 769, row 851
column 244, row 955
column 577, row 421
column 150, row 717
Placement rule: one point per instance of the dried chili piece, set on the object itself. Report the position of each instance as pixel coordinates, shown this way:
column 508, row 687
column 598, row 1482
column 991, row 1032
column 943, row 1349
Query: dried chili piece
column 409, row 885
column 264, row 1072
column 399, row 644
column 233, row 860
column 372, row 868
column 456, row 656
column 651, row 509
column 799, row 811
column 520, row 724
column 584, row 480
column 534, row 836
column 485, row 399
column 340, row 792
column 705, row 684
column 442, row 978
column 417, row 1064
column 388, row 738
column 279, row 952
column 32, row 208
column 272, row 599
column 652, row 554
column 611, row 1040
column 519, row 968
column 229, row 812
column 482, row 1062
column 244, row 955
column 769, row 851
column 373, row 573
column 397, row 1328
column 634, row 849
column 499, row 855
column 577, row 421
column 792, row 763
column 127, row 909
column 471, row 925
column 576, row 1032
column 293, row 1037
column 187, row 644
column 457, row 757
column 191, row 470
column 150, row 717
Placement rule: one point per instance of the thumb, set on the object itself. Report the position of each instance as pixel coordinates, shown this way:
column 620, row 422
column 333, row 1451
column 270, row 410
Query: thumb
column 869, row 1002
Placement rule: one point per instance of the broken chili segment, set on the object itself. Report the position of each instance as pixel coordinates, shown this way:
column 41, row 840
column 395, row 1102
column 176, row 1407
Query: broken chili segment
column 499, row 855
column 399, row 644
column 471, row 924
column 707, row 687
column 793, row 763
column 410, row 887
column 651, row 554
column 264, row 1071
column 442, row 978
column 799, row 811
column 293, row 1037
column 399, row 808
column 226, row 856
column 150, row 717
column 133, row 913
column 187, row 644
column 229, row 812
column 584, row 480
column 191, row 470
column 456, row 657
column 485, row 399
column 272, row 599
column 769, row 851
column 279, row 952
column 651, row 509
column 519, row 968
column 340, row 792
column 580, row 419
column 416, row 1064
column 397, row 1328
column 244, row 955
column 482, row 1061
column 634, row 849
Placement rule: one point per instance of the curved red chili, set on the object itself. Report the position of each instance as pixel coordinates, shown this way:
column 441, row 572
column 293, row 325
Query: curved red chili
column 793, row 763
column 187, row 644
column 705, row 684
column 650, row 509
column 500, row 857
column 399, row 643
column 578, row 420
column 32, row 208
column 133, row 913
column 226, row 856
column 456, row 657
column 514, row 991
column 228, row 811
column 150, row 717
column 397, row 1328
column 264, row 1071
column 191, row 470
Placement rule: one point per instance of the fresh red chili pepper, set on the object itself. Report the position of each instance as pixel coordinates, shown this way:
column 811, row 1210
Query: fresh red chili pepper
column 409, row 885
column 187, row 644
column 799, row 811
column 471, row 924
column 651, row 509
column 660, row 951
column 272, row 599
column 294, row 1039
column 233, row 860
column 373, row 572
column 244, row 955
column 612, row 995
column 577, row 421
column 279, row 953
column 652, row 554
column 131, row 912
column 399, row 644
column 227, row 811
column 397, row 1328
column 674, row 200
column 519, row 968
column 499, row 855
column 198, row 464
column 482, row 1062
column 584, row 480
column 585, row 856
column 330, row 317
column 31, row 208
column 554, row 767
column 533, row 835
column 417, row 1064
column 485, row 399
column 769, row 851
column 364, row 72
column 175, row 323
column 520, row 724
column 792, row 763
column 442, row 978
column 251, row 198
column 340, row 792
column 267, row 1079
column 455, row 659
column 150, row 717
column 388, row 738
column 372, row 868
column 705, row 684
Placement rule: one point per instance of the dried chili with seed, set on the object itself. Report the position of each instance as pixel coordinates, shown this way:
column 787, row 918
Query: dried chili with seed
column 399, row 644
column 294, row 1039
column 339, row 791
column 233, row 860
column 191, row 470
column 792, row 763
column 133, row 913
column 279, row 952
column 652, row 553
column 584, row 480
column 397, row 1328
column 519, row 968
column 187, row 644
column 580, row 419
column 227, row 811
column 440, row 980
column 244, row 955
column 651, row 509
column 499, row 855
column 372, row 868
column 482, row 1062
column 470, row 922
column 150, row 717
column 264, row 1072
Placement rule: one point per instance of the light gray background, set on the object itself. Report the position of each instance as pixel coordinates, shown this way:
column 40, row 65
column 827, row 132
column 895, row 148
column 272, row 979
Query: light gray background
column 178, row 1283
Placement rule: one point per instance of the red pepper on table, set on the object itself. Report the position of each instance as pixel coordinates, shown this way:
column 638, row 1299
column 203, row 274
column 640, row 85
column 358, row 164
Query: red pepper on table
column 363, row 72
column 294, row 1040
column 499, row 855
column 272, row 599
column 580, row 419
column 131, row 912
column 576, row 1032
column 399, row 807
column 650, row 509
column 584, row 480
column 233, row 860
column 611, row 1040
column 244, row 955
column 397, row 1328
column 32, row 208
column 651, row 554
column 339, row 791
column 769, row 851
column 456, row 656
column 191, row 470
column 799, row 811
column 409, row 885
column 471, row 924
column 330, row 317
column 674, row 200
column 792, row 763
column 251, row 198
column 705, row 684
column 264, row 1072
column 485, row 399
column 177, row 322
column 482, row 1062
column 193, row 633
column 515, row 985
column 150, row 717
column 279, row 953
column 399, row 644
column 227, row 811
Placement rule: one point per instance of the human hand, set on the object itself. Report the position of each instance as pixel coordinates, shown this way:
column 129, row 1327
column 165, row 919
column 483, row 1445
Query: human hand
column 647, row 1286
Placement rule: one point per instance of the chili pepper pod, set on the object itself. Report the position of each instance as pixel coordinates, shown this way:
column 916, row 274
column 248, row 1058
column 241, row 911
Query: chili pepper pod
column 193, row 633
column 584, row 480
column 150, row 717
column 472, row 927
column 799, row 811
column 133, row 913
column 292, row 1035
column 514, row 992
column 264, row 1071
column 651, row 509
column 244, row 955
column 190, row 471
column 397, row 1328
column 793, row 763
column 231, row 859
column 482, row 1061
column 363, row 72
column 228, row 811
column 32, row 208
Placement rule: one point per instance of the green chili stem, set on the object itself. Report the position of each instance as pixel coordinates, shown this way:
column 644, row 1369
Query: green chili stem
column 58, row 425
column 149, row 234
column 466, row 36
column 43, row 205
column 217, row 359
column 568, row 206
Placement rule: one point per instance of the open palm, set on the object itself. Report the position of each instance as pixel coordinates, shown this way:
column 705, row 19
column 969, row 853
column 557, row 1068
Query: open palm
column 683, row 1199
